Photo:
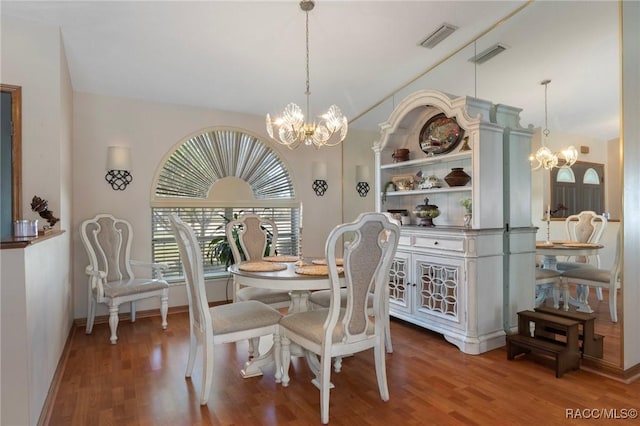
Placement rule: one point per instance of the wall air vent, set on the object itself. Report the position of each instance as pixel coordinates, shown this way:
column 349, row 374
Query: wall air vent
column 438, row 35
column 489, row 53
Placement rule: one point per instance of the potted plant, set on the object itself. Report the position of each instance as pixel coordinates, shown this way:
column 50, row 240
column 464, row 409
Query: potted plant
column 219, row 249
column 466, row 203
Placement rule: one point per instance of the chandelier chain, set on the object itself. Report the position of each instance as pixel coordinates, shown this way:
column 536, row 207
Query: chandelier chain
column 546, row 127
column 308, row 88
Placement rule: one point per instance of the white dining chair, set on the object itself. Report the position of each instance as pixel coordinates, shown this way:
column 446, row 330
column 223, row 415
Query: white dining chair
column 610, row 279
column 584, row 227
column 348, row 329
column 253, row 237
column 322, row 299
column 111, row 278
column 220, row 324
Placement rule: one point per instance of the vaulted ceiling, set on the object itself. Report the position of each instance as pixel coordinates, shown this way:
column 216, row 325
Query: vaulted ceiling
column 249, row 57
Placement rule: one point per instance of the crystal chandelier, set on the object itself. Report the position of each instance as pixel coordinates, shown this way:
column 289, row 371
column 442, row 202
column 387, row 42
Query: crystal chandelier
column 544, row 156
column 291, row 129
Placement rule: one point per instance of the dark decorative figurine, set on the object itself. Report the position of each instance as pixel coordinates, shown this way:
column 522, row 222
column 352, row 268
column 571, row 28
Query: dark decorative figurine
column 40, row 206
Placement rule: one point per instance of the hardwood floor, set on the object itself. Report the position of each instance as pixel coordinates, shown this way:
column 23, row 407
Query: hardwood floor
column 140, row 381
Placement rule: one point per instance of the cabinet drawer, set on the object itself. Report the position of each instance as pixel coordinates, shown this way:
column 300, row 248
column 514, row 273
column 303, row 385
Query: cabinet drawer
column 404, row 240
column 439, row 243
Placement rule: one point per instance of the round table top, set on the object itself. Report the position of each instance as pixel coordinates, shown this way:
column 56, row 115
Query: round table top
column 567, row 248
column 286, row 279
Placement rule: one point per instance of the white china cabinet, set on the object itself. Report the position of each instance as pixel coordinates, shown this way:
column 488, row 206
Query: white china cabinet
column 466, row 282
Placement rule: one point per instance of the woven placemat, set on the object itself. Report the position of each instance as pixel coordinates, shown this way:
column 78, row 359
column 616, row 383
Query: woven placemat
column 317, row 270
column 580, row 245
column 544, row 244
column 339, row 261
column 280, row 258
column 260, row 266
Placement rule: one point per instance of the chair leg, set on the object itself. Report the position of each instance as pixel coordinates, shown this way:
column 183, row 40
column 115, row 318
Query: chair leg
column 207, row 367
column 91, row 314
column 133, row 311
column 381, row 370
column 285, row 351
column 599, row 293
column 325, row 385
column 556, row 295
column 585, row 294
column 193, row 349
column 113, row 323
column 612, row 303
column 277, row 353
column 164, row 308
column 387, row 327
column 337, row 364
column 565, row 294
column 254, row 343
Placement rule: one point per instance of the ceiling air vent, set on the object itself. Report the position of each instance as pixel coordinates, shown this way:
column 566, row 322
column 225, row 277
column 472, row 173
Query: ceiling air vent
column 489, row 53
column 438, row 35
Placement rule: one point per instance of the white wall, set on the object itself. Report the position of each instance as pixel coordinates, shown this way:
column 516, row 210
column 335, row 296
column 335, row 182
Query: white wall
column 357, row 150
column 631, row 131
column 152, row 129
column 36, row 287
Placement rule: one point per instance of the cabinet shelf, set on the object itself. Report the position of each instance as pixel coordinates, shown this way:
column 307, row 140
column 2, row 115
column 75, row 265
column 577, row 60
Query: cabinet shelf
column 428, row 160
column 430, row 191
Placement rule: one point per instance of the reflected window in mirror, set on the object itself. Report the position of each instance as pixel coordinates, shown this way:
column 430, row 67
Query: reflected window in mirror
column 10, row 158
column 578, row 188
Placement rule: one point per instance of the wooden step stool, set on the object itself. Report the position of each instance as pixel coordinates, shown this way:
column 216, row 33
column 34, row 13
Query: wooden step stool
column 592, row 343
column 566, row 354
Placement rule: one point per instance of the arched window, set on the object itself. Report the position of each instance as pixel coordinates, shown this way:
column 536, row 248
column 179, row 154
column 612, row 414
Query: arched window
column 591, row 177
column 566, row 175
column 211, row 177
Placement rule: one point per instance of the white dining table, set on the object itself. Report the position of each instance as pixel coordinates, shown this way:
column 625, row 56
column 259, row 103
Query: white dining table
column 550, row 250
column 299, row 286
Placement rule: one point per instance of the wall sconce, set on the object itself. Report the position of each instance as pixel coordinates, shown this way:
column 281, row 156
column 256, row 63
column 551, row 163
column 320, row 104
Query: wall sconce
column 319, row 173
column 362, row 176
column 118, row 167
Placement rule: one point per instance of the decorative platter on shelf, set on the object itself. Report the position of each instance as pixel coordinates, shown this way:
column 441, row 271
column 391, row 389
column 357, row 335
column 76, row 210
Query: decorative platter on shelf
column 440, row 135
column 403, row 182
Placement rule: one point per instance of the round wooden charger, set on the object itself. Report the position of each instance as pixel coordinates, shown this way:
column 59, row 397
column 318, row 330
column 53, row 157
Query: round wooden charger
column 280, row 258
column 260, row 266
column 317, row 270
column 580, row 245
column 339, row 261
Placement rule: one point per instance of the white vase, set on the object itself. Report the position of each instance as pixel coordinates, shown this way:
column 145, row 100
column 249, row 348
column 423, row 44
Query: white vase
column 467, row 220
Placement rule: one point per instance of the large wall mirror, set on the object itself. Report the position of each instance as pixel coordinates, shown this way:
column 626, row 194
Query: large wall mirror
column 577, row 46
column 11, row 158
